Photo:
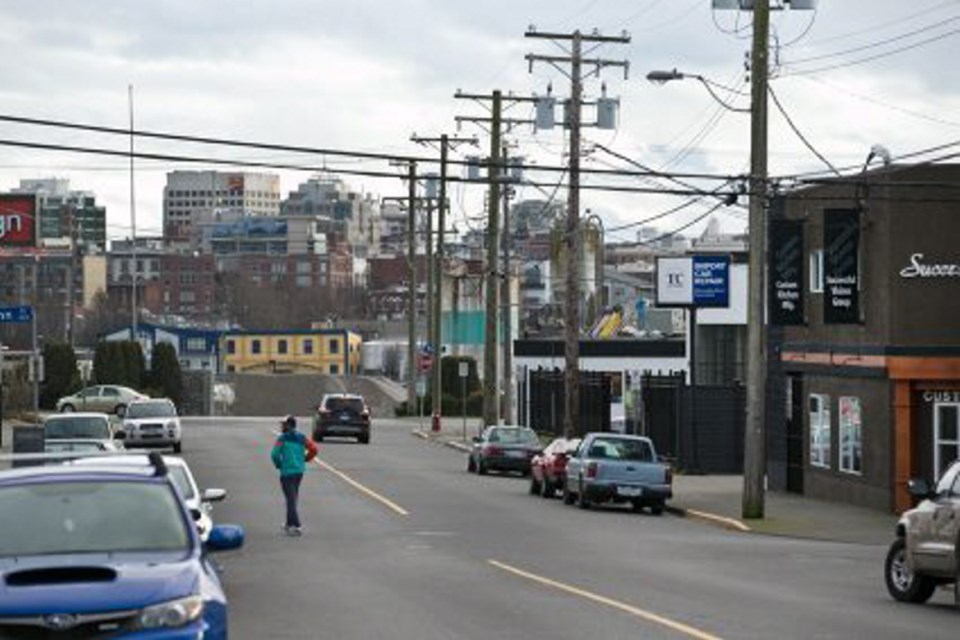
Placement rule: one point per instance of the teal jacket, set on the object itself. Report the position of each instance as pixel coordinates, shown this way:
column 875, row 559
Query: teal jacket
column 291, row 453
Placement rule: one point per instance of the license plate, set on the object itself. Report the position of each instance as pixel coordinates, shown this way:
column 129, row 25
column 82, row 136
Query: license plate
column 344, row 417
column 629, row 492
column 516, row 454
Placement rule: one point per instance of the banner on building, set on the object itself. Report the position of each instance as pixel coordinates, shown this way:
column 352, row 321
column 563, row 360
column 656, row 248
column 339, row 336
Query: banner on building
column 786, row 284
column 18, row 220
column 841, row 266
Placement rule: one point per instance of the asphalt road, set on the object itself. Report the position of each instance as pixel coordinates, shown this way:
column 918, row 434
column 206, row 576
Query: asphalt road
column 401, row 543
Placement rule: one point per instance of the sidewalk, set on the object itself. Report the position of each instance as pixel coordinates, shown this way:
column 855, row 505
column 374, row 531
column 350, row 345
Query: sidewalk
column 716, row 500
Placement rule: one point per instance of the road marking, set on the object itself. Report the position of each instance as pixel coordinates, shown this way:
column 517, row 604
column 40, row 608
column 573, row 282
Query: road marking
column 387, row 502
column 729, row 523
column 615, row 604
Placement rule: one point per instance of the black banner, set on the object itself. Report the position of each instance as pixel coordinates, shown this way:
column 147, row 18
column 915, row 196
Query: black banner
column 786, row 291
column 841, row 277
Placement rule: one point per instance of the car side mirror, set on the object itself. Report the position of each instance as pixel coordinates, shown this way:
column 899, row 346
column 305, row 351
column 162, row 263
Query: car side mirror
column 213, row 495
column 224, row 537
column 477, row 439
column 918, row 488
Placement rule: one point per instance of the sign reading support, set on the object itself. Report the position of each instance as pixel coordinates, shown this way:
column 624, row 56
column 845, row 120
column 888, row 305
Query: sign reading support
column 16, row 314
column 464, row 369
column 697, row 281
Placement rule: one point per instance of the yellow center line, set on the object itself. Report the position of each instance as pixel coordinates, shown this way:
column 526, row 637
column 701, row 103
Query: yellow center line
column 616, row 604
column 388, row 503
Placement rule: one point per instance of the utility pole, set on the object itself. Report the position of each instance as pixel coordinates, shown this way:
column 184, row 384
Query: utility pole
column 754, row 454
column 445, row 141
column 411, row 286
column 572, row 239
column 72, row 221
column 496, row 121
column 506, row 410
column 133, row 230
column 431, row 267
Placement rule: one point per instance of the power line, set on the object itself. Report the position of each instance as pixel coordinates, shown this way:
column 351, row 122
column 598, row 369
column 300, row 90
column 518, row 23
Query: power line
column 786, row 116
column 910, row 17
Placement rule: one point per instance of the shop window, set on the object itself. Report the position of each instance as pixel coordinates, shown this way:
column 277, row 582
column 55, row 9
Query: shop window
column 231, row 347
column 820, row 430
column 281, row 346
column 816, row 271
column 334, row 369
column 851, row 435
column 255, row 347
column 947, row 433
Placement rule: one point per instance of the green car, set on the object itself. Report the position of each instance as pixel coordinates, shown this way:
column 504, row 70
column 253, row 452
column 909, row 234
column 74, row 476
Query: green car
column 108, row 398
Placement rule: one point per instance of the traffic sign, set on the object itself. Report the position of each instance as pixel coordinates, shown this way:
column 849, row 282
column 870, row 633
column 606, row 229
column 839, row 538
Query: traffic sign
column 464, row 369
column 425, row 362
column 16, row 314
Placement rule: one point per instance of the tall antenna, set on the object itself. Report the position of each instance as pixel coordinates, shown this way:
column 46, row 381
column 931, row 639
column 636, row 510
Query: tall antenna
column 133, row 230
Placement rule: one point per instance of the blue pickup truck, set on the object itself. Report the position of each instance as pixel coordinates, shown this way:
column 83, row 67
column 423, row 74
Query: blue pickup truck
column 610, row 467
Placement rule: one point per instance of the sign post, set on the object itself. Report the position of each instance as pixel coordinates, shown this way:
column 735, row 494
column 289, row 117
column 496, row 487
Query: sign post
column 464, row 371
column 421, row 391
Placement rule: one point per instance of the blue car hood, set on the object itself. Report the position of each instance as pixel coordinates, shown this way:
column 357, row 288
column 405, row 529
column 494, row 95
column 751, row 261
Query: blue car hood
column 139, row 582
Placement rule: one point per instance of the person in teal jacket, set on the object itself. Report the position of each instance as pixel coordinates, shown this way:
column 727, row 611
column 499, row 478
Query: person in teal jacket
column 291, row 453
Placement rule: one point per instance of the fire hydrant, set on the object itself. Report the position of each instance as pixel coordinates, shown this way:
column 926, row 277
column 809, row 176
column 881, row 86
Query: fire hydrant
column 435, row 422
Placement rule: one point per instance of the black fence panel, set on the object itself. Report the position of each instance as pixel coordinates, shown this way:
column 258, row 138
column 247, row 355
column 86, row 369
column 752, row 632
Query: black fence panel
column 713, row 440
column 545, row 396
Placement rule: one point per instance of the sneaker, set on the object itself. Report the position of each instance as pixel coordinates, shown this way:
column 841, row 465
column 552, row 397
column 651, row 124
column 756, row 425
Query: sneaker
column 294, row 531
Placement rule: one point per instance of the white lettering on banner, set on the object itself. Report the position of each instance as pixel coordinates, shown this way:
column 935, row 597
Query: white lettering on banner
column 941, row 396
column 10, row 222
column 918, row 269
column 788, row 294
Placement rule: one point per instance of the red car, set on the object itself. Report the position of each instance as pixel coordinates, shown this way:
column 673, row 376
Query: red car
column 548, row 470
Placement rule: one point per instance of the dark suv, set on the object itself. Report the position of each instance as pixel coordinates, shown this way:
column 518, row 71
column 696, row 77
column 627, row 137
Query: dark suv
column 342, row 414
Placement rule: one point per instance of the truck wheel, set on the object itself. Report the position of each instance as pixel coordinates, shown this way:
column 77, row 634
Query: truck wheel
column 902, row 584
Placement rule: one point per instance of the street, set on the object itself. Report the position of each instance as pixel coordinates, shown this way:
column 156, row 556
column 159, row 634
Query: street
column 400, row 542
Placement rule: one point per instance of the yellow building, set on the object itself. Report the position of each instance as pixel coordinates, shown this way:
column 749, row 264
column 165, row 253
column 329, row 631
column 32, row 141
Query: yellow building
column 329, row 351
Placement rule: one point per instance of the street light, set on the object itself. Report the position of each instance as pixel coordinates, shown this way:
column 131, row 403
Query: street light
column 662, row 77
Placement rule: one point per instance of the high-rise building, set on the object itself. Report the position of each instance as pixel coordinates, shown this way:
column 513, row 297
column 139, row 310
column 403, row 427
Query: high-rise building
column 64, row 214
column 192, row 198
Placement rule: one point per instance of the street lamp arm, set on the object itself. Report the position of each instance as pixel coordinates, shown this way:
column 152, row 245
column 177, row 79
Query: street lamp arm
column 661, row 77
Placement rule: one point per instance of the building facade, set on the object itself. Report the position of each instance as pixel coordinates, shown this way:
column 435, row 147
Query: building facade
column 326, row 351
column 192, row 198
column 865, row 292
column 66, row 217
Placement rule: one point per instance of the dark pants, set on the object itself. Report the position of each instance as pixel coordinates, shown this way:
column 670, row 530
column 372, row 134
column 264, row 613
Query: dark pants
column 291, row 491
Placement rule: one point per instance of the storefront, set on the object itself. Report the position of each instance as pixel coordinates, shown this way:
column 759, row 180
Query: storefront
column 865, row 281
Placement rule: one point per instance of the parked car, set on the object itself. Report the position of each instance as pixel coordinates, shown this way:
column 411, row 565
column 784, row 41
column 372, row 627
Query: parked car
column 342, row 414
column 152, row 421
column 548, row 470
column 84, row 426
column 926, row 550
column 99, row 551
column 609, row 467
column 109, row 398
column 503, row 448
column 199, row 503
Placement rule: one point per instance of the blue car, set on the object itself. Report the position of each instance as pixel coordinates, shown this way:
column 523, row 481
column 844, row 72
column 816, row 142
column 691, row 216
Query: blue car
column 101, row 552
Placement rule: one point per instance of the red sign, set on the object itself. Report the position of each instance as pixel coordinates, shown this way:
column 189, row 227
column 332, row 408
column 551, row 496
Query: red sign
column 18, row 220
column 424, row 362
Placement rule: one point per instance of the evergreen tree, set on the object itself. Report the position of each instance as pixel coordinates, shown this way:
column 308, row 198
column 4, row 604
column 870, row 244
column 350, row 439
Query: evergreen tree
column 165, row 372
column 62, row 376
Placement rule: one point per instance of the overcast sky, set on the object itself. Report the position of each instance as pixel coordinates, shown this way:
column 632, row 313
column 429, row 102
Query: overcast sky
column 366, row 74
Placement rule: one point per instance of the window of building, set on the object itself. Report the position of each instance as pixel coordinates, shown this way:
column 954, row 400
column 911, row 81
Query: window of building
column 188, row 297
column 282, row 346
column 308, row 346
column 255, row 346
column 851, row 435
column 231, row 347
column 334, row 369
column 816, row 271
column 334, row 346
column 304, row 281
column 820, row 430
column 196, row 344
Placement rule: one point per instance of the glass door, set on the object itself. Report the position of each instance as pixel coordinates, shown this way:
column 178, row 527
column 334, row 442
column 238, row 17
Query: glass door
column 946, row 429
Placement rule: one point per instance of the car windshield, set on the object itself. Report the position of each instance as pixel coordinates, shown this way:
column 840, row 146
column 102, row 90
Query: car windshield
column 345, row 404
column 182, row 481
column 621, row 449
column 90, row 517
column 151, row 410
column 93, row 427
column 513, row 436
column 74, row 446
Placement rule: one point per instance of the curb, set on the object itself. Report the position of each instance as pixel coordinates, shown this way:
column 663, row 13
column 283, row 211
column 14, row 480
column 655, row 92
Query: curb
column 423, row 435
column 730, row 524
